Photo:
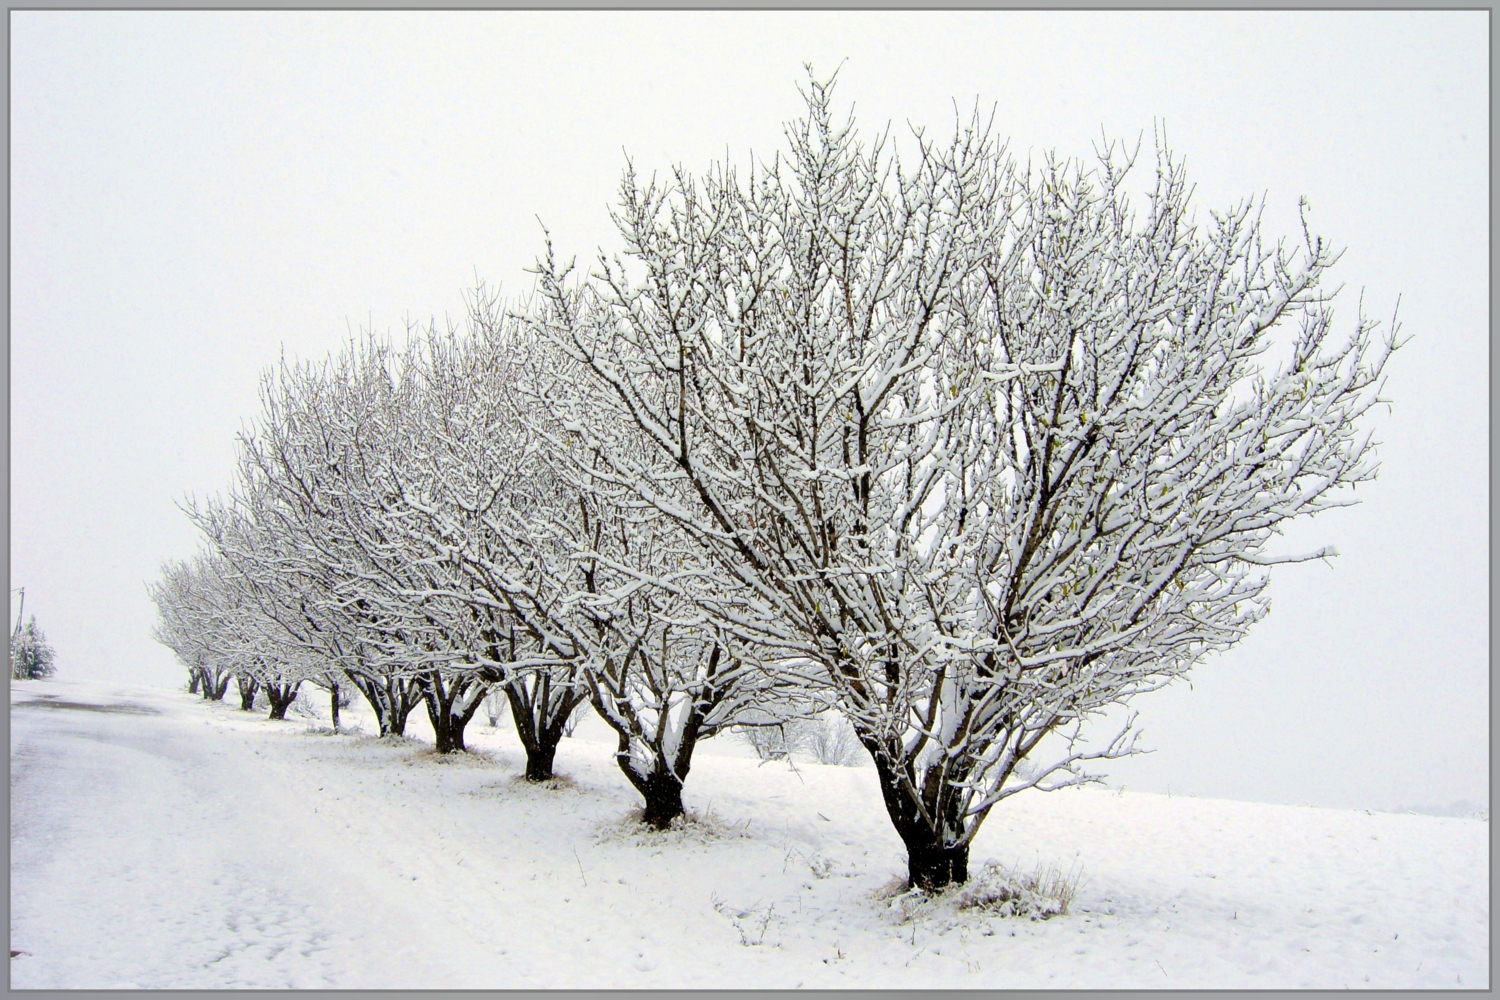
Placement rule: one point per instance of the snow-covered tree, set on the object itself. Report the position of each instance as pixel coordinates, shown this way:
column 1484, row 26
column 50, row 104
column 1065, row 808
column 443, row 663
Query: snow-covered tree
column 986, row 445
column 291, row 516
column 184, row 625
column 219, row 617
column 596, row 580
column 249, row 686
column 31, row 656
column 460, row 456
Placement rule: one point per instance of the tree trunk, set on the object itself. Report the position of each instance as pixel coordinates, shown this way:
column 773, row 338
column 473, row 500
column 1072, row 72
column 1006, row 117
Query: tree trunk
column 663, row 794
column 650, row 739
column 662, row 787
column 935, row 859
column 194, row 681
column 539, row 762
column 281, row 697
column 933, row 866
column 455, row 739
column 248, row 687
column 216, row 692
column 370, row 688
column 401, row 696
column 391, row 699
column 441, row 699
column 541, row 715
column 333, row 699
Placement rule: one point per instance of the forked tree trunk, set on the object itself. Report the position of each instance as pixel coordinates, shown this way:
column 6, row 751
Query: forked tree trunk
column 195, row 680
column 935, row 859
column 402, row 696
column 660, row 781
column 219, row 686
column 661, row 786
column 541, row 717
column 391, row 699
column 281, row 697
column 662, row 791
column 248, row 687
column 450, row 706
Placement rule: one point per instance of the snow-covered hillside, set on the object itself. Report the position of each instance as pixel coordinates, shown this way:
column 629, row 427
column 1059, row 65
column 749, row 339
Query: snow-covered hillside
column 160, row 841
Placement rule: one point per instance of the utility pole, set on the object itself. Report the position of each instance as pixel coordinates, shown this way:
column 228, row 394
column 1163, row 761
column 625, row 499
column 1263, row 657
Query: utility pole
column 17, row 633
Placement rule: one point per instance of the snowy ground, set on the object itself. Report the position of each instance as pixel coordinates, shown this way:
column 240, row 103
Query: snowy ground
column 159, row 841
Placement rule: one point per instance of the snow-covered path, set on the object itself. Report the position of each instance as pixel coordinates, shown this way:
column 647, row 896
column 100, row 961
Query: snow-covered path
column 161, row 841
column 156, row 850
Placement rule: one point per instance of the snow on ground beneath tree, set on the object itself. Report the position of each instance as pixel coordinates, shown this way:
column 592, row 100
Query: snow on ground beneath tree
column 159, row 841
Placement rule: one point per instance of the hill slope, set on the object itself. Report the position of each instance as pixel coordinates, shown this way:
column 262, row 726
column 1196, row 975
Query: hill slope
column 159, row 841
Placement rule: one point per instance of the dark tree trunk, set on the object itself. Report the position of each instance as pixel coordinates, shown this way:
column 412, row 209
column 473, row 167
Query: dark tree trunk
column 662, row 787
column 441, row 698
column 248, row 687
column 195, row 680
column 402, row 696
column 370, row 688
column 281, row 697
column 933, row 866
column 663, row 794
column 541, row 714
column 539, row 762
column 220, row 685
column 392, row 700
column 333, row 701
column 933, row 861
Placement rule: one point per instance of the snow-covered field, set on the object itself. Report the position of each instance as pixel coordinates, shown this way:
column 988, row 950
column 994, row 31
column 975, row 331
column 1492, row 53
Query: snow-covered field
column 159, row 841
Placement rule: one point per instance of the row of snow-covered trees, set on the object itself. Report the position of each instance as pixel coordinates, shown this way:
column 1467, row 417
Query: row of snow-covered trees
column 968, row 449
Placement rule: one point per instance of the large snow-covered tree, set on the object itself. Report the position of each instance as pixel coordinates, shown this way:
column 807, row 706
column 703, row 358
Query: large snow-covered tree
column 462, row 459
column 987, row 444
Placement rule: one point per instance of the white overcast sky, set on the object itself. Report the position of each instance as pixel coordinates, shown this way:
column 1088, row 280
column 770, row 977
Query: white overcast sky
column 194, row 192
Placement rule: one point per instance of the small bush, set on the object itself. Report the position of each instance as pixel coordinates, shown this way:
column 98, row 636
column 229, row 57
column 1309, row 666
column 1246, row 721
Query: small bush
column 304, row 706
column 576, row 717
column 831, row 740
column 495, row 705
column 826, row 738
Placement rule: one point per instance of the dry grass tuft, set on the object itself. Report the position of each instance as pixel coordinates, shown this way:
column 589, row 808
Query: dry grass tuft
column 1046, row 892
column 460, row 758
column 557, row 782
column 993, row 891
column 692, row 827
